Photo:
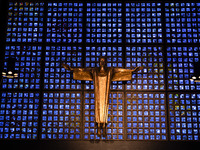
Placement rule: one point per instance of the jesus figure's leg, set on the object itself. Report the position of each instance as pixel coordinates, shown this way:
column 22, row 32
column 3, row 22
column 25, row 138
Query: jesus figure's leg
column 99, row 130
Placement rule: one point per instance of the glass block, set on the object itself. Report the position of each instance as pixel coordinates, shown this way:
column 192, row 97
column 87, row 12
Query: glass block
column 152, row 76
column 61, row 116
column 180, row 67
column 184, row 117
column 19, row 112
column 114, row 59
column 27, row 65
column 182, row 22
column 115, row 125
column 104, row 23
column 65, row 22
column 55, row 75
column 143, row 23
column 146, row 116
column 25, row 22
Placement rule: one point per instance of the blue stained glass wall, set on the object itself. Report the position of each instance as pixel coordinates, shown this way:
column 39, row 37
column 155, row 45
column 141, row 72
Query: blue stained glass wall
column 27, row 65
column 184, row 116
column 64, row 22
column 44, row 102
column 104, row 23
column 143, row 23
column 152, row 76
column 182, row 22
column 61, row 115
column 25, row 22
column 180, row 64
column 19, row 115
column 55, row 76
column 113, row 55
column 146, row 116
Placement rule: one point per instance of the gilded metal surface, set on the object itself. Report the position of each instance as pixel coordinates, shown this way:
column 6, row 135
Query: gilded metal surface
column 122, row 76
column 101, row 77
column 102, row 97
column 82, row 75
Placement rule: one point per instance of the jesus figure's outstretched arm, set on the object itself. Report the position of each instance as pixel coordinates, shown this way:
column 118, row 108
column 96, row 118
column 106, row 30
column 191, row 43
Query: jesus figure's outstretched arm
column 80, row 73
column 121, row 74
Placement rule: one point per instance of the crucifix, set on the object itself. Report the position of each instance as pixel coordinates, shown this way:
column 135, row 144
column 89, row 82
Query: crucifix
column 101, row 77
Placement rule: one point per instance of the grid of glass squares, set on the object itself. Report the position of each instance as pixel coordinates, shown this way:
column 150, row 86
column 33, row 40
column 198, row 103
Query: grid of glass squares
column 61, row 116
column 27, row 65
column 61, row 111
column 181, row 68
column 25, row 22
column 184, row 116
column 19, row 115
column 152, row 76
column 115, row 126
column 104, row 23
column 64, row 22
column 143, row 23
column 114, row 59
column 146, row 116
column 182, row 22
column 55, row 76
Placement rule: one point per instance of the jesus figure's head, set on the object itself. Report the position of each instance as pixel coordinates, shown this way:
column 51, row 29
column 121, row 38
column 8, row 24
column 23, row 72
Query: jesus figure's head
column 102, row 62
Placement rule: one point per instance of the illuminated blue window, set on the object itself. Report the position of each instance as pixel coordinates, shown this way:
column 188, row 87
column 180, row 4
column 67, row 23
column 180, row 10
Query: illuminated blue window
column 70, row 115
column 55, row 76
column 64, row 22
column 143, row 23
column 180, row 67
column 146, row 116
column 115, row 125
column 19, row 115
column 184, row 116
column 152, row 76
column 114, row 59
column 182, row 22
column 104, row 23
column 113, row 55
column 27, row 65
column 61, row 116
column 25, row 22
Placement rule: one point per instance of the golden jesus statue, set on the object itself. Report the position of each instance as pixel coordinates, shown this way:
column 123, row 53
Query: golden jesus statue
column 101, row 77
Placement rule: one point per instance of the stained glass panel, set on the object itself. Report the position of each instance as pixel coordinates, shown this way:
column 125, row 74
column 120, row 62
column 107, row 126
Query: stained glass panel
column 104, row 23
column 184, row 118
column 146, row 116
column 152, row 76
column 181, row 68
column 182, row 22
column 143, row 23
column 64, row 22
column 55, row 76
column 19, row 115
column 27, row 65
column 75, row 33
column 61, row 116
column 25, row 22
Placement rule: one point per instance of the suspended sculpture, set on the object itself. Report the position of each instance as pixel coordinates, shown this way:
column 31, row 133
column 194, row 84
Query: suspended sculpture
column 101, row 77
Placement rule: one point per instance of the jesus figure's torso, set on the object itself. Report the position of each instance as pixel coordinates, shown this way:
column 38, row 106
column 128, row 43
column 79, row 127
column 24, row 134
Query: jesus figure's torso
column 102, row 84
column 102, row 96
